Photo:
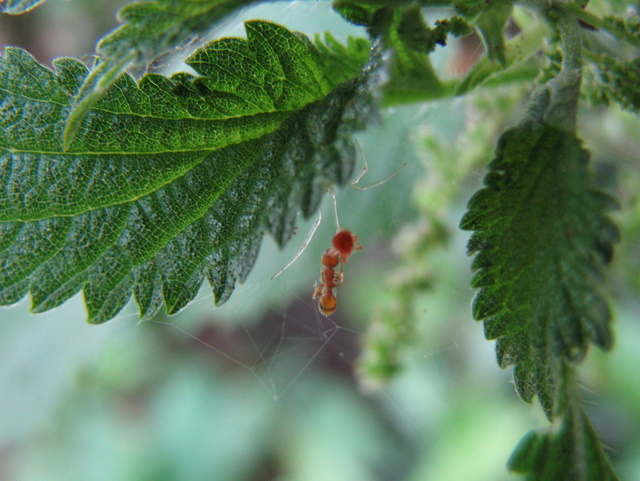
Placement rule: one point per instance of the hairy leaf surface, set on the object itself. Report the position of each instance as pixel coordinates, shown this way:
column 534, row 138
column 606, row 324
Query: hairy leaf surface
column 170, row 180
column 541, row 239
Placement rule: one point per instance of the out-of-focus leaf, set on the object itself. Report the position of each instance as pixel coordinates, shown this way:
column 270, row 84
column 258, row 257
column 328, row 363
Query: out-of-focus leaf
column 15, row 7
column 490, row 24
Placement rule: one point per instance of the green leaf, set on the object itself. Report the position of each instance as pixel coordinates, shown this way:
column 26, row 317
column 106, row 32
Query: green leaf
column 541, row 240
column 405, row 34
column 361, row 15
column 148, row 29
column 617, row 81
column 170, row 180
column 472, row 8
column 569, row 449
column 416, row 35
column 16, row 7
column 627, row 29
column 520, row 63
column 490, row 25
column 411, row 74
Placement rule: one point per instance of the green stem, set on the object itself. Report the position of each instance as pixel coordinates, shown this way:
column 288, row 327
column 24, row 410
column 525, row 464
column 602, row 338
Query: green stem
column 570, row 42
column 563, row 92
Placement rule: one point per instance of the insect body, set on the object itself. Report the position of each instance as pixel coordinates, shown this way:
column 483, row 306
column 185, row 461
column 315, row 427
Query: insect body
column 344, row 242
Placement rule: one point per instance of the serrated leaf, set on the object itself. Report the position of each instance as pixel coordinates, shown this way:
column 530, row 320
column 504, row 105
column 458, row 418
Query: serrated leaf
column 541, row 239
column 618, row 82
column 147, row 30
column 568, row 450
column 627, row 29
column 16, row 7
column 361, row 15
column 170, row 180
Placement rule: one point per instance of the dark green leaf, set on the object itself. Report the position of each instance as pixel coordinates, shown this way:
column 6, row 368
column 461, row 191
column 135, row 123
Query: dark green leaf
column 627, row 29
column 568, row 450
column 541, row 242
column 617, row 81
column 416, row 35
column 361, row 15
column 170, row 180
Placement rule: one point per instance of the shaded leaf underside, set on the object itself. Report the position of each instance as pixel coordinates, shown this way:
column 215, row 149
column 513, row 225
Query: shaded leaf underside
column 570, row 449
column 541, row 241
column 170, row 180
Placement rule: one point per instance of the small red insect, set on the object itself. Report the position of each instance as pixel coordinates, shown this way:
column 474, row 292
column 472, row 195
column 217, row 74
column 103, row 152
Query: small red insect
column 344, row 242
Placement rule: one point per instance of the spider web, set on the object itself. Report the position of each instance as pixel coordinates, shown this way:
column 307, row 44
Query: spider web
column 272, row 329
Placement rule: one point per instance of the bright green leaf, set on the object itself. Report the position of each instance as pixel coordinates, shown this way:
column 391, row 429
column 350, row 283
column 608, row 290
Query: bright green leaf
column 147, row 30
column 170, row 180
column 541, row 239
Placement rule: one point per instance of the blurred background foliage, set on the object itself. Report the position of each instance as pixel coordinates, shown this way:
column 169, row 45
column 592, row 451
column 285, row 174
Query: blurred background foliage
column 265, row 388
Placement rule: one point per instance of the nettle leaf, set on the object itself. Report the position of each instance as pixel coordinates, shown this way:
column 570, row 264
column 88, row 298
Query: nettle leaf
column 569, row 449
column 147, row 30
column 15, row 7
column 627, row 29
column 618, row 82
column 170, row 180
column 409, row 41
column 356, row 13
column 541, row 240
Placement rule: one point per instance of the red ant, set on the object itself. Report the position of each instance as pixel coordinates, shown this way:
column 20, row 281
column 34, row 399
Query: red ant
column 344, row 243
